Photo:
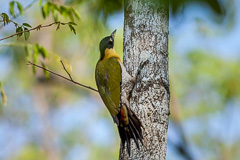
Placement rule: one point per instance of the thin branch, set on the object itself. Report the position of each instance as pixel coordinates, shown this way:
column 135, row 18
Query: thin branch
column 35, row 28
column 71, row 80
column 15, row 23
column 66, row 70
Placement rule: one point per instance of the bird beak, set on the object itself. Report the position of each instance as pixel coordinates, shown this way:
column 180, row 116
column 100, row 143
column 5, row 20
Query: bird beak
column 113, row 34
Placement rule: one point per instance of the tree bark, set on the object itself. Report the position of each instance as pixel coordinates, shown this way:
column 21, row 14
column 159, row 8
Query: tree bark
column 146, row 38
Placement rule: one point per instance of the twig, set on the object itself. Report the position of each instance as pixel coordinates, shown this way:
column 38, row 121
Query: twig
column 35, row 28
column 71, row 80
column 15, row 23
column 66, row 70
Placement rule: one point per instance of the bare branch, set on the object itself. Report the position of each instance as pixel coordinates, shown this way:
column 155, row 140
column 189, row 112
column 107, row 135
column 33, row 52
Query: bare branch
column 71, row 80
column 66, row 70
column 35, row 28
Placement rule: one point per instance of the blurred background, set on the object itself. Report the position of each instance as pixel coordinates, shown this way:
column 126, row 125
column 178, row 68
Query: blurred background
column 52, row 119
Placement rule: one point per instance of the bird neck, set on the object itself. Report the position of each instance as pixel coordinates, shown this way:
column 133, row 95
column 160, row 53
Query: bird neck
column 109, row 53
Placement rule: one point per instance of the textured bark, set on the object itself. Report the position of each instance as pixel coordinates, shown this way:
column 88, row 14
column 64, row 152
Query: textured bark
column 146, row 38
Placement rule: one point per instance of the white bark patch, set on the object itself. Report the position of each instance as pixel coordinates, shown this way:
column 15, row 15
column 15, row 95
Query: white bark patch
column 146, row 38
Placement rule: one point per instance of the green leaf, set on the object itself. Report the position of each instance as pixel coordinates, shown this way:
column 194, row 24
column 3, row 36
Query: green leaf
column 43, row 52
column 54, row 8
column 46, row 73
column 4, row 15
column 64, row 11
column 76, row 14
column 27, row 50
column 20, row 8
column 3, row 95
column 5, row 18
column 35, row 57
column 27, row 25
column 72, row 28
column 26, row 34
column 55, row 17
column 43, row 13
column 11, row 8
column 46, row 9
column 70, row 14
column 19, row 29
column 40, row 2
column 35, row 48
column 72, row 23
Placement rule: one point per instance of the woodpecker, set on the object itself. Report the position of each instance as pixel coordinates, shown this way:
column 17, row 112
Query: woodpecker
column 111, row 76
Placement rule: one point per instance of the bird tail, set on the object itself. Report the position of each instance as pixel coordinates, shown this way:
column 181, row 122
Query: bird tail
column 132, row 130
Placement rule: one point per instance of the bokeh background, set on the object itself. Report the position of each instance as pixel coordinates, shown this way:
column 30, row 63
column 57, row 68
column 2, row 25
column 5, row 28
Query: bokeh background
column 55, row 119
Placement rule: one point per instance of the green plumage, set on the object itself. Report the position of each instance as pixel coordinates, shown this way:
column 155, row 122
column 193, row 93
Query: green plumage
column 108, row 75
column 108, row 79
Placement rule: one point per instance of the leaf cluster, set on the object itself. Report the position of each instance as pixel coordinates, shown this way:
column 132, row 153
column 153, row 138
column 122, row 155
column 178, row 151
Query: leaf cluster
column 19, row 27
column 54, row 9
column 12, row 5
column 33, row 52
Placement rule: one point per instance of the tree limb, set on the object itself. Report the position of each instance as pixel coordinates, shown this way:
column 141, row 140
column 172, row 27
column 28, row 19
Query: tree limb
column 71, row 80
column 35, row 28
column 66, row 70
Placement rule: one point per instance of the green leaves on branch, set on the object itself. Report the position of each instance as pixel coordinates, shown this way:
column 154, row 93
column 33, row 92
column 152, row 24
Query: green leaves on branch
column 19, row 28
column 3, row 95
column 70, row 24
column 33, row 53
column 26, row 34
column 46, row 73
column 24, row 27
column 5, row 18
column 27, row 25
column 75, row 13
column 66, row 12
column 12, row 4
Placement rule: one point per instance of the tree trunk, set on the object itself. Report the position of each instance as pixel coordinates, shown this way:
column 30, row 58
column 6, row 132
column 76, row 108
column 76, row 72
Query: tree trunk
column 146, row 38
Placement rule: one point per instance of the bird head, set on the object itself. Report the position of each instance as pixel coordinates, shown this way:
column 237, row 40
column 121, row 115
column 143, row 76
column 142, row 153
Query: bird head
column 107, row 43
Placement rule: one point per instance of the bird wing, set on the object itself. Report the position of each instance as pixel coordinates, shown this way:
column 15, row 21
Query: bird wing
column 108, row 79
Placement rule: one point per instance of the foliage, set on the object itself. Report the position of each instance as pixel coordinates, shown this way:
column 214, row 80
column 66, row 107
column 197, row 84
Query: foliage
column 3, row 95
column 56, row 10
column 215, row 5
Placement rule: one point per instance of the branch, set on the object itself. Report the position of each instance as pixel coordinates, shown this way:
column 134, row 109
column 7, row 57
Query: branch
column 35, row 28
column 71, row 80
column 66, row 70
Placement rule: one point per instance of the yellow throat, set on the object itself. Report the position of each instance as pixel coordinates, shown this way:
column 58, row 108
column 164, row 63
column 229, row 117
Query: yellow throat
column 111, row 53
